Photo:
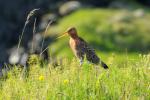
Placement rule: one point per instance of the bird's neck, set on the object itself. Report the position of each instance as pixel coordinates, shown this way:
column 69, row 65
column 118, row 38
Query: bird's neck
column 74, row 36
column 74, row 40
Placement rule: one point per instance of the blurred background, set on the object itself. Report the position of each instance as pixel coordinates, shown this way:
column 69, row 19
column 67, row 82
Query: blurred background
column 108, row 26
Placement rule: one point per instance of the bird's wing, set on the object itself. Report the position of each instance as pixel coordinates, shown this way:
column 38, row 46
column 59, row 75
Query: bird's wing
column 80, row 49
column 89, row 52
column 86, row 46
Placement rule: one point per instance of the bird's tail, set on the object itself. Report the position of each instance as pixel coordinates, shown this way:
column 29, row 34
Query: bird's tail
column 104, row 65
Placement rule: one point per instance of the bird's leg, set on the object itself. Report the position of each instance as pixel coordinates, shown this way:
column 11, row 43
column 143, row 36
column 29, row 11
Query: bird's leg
column 81, row 61
column 97, row 70
column 88, row 62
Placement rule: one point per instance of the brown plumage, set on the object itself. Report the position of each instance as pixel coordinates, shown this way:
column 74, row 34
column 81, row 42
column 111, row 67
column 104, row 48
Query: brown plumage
column 81, row 49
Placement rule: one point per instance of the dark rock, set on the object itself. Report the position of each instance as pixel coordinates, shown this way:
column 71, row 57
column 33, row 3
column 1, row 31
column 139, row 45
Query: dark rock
column 46, row 19
column 69, row 7
column 34, row 45
column 15, row 55
column 12, row 19
column 97, row 3
column 120, row 5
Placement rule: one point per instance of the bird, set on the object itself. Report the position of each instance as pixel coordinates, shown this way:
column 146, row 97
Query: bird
column 81, row 48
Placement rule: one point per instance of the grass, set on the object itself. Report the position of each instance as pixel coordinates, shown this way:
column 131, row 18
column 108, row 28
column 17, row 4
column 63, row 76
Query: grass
column 126, row 81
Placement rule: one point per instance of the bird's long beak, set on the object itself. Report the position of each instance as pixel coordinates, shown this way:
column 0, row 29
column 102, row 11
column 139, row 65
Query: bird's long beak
column 64, row 34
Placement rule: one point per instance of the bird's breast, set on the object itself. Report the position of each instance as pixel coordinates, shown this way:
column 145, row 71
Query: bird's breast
column 74, row 44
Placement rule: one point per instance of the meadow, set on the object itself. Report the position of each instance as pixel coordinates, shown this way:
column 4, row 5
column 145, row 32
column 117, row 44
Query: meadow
column 116, row 35
column 127, row 80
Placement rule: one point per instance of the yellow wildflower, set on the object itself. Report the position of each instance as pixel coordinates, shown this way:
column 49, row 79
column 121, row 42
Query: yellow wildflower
column 66, row 81
column 41, row 78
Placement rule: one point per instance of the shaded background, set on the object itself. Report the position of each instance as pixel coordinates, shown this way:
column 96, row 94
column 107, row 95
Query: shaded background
column 129, row 17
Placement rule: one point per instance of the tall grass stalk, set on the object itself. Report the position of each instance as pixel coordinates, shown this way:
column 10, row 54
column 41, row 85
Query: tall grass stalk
column 48, row 25
column 34, row 31
column 31, row 13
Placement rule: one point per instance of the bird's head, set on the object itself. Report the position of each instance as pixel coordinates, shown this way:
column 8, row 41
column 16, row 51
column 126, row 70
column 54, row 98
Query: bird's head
column 72, row 32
